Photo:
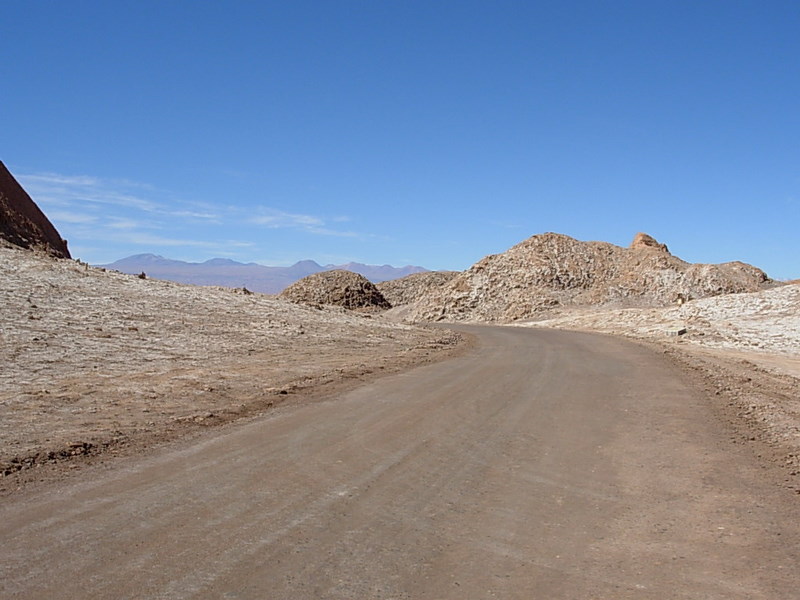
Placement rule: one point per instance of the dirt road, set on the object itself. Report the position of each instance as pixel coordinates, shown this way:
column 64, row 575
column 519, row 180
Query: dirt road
column 541, row 464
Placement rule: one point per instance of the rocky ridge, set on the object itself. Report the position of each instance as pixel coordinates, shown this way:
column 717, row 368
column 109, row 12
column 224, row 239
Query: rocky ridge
column 554, row 270
column 336, row 288
column 642, row 240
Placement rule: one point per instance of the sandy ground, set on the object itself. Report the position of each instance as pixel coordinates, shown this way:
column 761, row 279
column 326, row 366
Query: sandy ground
column 744, row 348
column 97, row 361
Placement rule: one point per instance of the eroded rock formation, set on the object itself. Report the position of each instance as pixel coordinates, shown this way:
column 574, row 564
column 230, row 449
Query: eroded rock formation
column 22, row 223
column 552, row 270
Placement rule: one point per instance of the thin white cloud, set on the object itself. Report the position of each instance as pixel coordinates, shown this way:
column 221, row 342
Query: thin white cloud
column 82, row 191
column 195, row 215
column 121, row 223
column 333, row 232
column 71, row 217
column 85, row 191
column 56, row 179
column 276, row 219
column 123, row 213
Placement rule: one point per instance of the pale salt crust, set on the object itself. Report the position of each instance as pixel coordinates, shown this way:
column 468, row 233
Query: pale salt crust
column 764, row 322
column 88, row 353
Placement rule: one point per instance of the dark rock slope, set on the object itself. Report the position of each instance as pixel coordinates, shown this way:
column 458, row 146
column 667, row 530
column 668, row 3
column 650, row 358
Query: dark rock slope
column 22, row 223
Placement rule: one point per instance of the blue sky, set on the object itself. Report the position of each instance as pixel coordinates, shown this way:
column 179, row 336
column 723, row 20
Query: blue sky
column 429, row 133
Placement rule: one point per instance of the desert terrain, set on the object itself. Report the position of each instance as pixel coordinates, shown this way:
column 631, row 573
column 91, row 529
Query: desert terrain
column 95, row 361
column 730, row 327
column 581, row 421
column 256, row 278
column 537, row 464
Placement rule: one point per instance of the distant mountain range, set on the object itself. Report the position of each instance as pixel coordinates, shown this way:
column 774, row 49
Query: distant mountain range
column 255, row 277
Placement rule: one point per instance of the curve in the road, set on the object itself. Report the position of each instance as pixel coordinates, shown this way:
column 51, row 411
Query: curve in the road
column 541, row 464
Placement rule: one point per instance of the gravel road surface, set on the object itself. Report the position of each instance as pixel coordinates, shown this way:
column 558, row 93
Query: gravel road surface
column 540, row 464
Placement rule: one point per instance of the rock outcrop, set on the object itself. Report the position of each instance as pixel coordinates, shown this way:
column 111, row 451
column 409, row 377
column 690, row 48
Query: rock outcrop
column 642, row 240
column 409, row 289
column 22, row 223
column 552, row 270
column 339, row 288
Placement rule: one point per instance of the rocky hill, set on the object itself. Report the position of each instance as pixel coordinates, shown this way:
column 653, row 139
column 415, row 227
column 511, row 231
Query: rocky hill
column 22, row 223
column 338, row 288
column 552, row 270
column 409, row 289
